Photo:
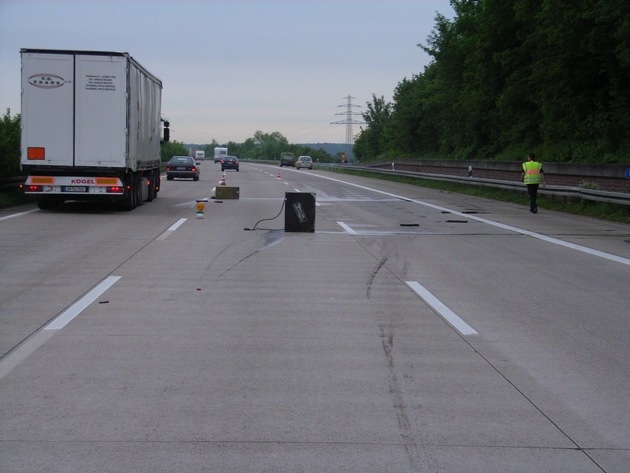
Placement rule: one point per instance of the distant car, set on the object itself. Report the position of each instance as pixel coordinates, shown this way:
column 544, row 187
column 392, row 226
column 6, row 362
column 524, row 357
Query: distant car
column 304, row 162
column 229, row 162
column 182, row 167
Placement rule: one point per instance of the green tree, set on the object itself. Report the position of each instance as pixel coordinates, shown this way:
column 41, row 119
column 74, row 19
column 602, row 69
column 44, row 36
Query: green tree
column 10, row 145
column 373, row 141
column 172, row 148
column 508, row 77
column 263, row 146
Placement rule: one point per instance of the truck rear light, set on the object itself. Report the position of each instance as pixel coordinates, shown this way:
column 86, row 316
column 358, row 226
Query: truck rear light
column 34, row 153
column 32, row 188
column 115, row 190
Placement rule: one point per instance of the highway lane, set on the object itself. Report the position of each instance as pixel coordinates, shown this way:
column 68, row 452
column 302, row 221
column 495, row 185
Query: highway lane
column 220, row 349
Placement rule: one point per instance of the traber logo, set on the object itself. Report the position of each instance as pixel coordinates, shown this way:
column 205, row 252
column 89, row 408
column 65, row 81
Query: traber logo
column 46, row 81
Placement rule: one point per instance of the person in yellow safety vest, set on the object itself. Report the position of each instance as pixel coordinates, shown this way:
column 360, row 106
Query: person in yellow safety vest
column 533, row 176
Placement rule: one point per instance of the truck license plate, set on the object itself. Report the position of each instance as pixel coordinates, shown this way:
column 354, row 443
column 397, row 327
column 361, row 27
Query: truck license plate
column 74, row 189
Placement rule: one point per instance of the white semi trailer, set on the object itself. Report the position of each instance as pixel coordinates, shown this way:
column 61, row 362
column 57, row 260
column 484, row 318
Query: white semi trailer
column 220, row 154
column 91, row 127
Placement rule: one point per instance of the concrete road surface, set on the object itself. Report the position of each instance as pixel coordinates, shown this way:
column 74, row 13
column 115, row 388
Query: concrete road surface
column 414, row 331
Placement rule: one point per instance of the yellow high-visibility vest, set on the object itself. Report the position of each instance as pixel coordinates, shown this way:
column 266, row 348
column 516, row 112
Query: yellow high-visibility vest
column 532, row 172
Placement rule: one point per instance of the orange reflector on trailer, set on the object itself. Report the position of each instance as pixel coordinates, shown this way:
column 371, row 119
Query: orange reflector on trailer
column 36, row 153
column 42, row 180
column 106, row 181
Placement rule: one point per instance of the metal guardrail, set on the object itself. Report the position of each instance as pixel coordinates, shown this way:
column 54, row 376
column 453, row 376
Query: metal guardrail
column 618, row 198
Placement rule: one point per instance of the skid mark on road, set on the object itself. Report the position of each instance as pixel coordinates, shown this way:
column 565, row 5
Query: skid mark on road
column 381, row 263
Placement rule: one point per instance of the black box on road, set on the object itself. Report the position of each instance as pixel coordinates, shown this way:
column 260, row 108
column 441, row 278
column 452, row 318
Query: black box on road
column 299, row 212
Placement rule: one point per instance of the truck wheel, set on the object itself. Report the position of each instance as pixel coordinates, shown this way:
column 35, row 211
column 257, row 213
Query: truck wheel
column 130, row 201
column 152, row 194
column 48, row 203
column 156, row 183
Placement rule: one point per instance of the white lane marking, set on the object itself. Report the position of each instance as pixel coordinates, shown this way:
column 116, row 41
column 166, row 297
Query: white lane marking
column 79, row 306
column 347, row 228
column 171, row 229
column 21, row 353
column 444, row 312
column 522, row 231
column 176, row 225
column 317, row 204
column 18, row 214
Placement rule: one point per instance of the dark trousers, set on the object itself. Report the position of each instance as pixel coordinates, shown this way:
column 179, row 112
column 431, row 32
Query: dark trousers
column 532, row 191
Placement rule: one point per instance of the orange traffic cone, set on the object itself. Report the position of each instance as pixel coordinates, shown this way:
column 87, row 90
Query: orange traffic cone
column 278, row 176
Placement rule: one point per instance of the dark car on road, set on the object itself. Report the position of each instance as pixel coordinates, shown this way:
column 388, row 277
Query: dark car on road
column 182, row 167
column 229, row 162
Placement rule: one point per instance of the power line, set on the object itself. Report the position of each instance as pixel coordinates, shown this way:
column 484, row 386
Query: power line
column 349, row 120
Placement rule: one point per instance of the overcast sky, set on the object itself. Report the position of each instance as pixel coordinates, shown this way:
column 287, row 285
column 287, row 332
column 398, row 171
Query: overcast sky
column 232, row 67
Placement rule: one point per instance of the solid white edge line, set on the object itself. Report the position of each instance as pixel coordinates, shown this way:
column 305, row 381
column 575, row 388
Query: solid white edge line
column 447, row 314
column 539, row 236
column 347, row 228
column 79, row 306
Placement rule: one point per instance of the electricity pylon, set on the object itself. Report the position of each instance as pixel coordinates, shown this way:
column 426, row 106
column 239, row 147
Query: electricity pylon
column 349, row 121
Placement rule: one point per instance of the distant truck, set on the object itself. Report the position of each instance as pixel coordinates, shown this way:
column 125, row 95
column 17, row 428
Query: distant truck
column 91, row 127
column 200, row 155
column 287, row 159
column 220, row 154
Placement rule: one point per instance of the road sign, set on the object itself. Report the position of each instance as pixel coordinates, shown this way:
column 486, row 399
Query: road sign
column 627, row 173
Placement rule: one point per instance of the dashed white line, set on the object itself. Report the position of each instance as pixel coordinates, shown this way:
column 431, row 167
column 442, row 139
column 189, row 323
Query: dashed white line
column 171, row 229
column 18, row 214
column 176, row 225
column 447, row 314
column 29, row 346
column 347, row 228
column 79, row 306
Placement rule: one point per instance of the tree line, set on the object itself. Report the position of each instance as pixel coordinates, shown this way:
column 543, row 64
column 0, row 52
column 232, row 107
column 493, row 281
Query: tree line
column 267, row 146
column 508, row 77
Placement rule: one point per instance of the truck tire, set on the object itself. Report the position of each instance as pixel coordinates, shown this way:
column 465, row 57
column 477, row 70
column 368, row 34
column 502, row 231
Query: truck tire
column 156, row 183
column 152, row 194
column 45, row 202
column 130, row 200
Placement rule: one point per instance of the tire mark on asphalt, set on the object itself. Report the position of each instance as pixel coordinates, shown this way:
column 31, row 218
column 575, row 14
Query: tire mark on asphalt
column 381, row 263
column 405, row 425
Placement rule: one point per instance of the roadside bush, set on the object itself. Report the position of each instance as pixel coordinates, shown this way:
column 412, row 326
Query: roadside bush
column 9, row 145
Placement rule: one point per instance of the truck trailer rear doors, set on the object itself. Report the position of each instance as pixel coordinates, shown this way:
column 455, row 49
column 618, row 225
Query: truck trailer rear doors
column 48, row 102
column 76, row 109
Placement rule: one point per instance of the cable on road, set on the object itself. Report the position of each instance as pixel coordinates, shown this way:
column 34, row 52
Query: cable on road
column 266, row 219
